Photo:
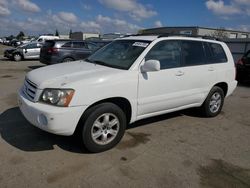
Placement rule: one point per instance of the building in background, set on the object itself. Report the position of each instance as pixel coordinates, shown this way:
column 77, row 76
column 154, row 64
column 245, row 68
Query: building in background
column 195, row 30
column 238, row 47
column 112, row 36
column 83, row 36
column 64, row 36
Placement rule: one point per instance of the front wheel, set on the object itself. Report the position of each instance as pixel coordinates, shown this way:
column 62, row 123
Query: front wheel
column 68, row 59
column 17, row 57
column 213, row 104
column 103, row 127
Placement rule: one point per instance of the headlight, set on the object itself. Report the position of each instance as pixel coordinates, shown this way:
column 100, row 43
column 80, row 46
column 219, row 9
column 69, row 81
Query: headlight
column 57, row 97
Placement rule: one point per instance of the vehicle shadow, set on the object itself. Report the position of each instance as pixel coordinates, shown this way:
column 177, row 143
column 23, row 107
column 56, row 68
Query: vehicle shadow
column 19, row 133
column 244, row 84
column 36, row 66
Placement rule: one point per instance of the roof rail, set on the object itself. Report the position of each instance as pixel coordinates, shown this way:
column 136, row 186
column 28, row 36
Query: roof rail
column 187, row 35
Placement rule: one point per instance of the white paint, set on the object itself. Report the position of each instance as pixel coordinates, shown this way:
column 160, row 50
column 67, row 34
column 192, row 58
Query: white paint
column 150, row 94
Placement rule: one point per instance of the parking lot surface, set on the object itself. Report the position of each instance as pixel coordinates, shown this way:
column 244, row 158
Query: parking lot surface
column 175, row 150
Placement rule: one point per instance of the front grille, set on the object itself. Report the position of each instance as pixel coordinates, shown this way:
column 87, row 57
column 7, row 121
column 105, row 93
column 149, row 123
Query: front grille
column 29, row 89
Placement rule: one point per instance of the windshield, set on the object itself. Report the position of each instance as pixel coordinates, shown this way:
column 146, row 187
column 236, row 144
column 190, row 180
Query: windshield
column 22, row 46
column 119, row 54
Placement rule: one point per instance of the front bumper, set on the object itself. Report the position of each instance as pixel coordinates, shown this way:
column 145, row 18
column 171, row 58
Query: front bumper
column 8, row 55
column 56, row 120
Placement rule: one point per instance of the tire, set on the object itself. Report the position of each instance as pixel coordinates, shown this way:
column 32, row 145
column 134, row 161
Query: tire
column 67, row 59
column 98, row 135
column 214, row 102
column 17, row 57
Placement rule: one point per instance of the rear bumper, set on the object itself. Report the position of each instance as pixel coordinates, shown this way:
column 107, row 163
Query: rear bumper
column 231, row 87
column 56, row 120
column 49, row 60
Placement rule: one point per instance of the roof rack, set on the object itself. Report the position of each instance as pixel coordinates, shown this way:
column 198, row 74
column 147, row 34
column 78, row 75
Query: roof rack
column 187, row 35
column 159, row 35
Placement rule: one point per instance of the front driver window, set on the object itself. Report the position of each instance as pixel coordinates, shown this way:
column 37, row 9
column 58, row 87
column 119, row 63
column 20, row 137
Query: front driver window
column 168, row 53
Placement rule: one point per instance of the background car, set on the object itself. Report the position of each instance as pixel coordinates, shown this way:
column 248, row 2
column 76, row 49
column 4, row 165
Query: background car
column 243, row 67
column 58, row 51
column 15, row 43
column 25, row 51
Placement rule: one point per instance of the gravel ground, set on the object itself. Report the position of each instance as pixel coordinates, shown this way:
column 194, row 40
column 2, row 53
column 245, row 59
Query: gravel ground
column 175, row 150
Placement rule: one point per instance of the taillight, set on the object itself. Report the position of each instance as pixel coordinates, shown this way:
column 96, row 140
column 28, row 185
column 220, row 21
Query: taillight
column 240, row 62
column 52, row 50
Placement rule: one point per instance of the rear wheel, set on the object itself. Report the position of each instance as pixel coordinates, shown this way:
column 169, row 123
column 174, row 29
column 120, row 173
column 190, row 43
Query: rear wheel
column 213, row 104
column 68, row 59
column 103, row 127
column 17, row 57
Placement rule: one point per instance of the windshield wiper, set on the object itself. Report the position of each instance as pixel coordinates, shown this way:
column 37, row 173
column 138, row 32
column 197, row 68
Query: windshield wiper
column 98, row 62
column 88, row 60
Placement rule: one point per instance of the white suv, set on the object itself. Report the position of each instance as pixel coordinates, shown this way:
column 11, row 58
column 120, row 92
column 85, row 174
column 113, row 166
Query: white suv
column 130, row 79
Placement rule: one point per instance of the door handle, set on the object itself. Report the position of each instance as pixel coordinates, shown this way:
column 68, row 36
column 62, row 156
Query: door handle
column 211, row 69
column 179, row 73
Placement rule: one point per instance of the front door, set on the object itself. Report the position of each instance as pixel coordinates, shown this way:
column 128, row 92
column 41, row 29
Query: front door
column 162, row 90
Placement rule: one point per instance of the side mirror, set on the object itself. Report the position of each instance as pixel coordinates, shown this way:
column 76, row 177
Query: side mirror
column 25, row 50
column 151, row 66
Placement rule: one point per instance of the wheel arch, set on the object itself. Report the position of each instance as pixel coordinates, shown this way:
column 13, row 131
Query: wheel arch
column 223, row 86
column 18, row 53
column 66, row 57
column 121, row 102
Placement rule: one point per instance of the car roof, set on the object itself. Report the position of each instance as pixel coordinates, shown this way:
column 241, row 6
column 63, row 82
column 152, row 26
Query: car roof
column 140, row 37
column 173, row 37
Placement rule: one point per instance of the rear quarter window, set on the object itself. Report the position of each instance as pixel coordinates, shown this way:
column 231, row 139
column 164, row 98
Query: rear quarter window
column 49, row 43
column 215, row 53
column 67, row 45
column 79, row 45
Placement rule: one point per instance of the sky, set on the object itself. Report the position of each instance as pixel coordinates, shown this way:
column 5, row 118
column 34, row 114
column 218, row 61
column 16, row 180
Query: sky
column 35, row 17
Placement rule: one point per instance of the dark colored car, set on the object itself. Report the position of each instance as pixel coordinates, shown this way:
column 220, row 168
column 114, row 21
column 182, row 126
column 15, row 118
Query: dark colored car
column 58, row 51
column 243, row 67
column 15, row 43
column 100, row 43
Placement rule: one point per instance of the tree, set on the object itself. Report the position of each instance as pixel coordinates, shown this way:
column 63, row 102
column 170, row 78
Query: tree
column 10, row 37
column 20, row 35
column 57, row 33
column 220, row 33
column 70, row 33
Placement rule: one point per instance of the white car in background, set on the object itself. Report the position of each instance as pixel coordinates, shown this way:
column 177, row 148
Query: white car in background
column 43, row 38
column 25, row 51
column 129, row 79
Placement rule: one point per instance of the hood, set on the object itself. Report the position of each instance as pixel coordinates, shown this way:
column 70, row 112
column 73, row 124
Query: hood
column 10, row 49
column 63, row 74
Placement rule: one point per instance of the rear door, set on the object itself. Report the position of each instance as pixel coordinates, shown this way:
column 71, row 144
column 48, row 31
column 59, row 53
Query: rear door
column 199, row 74
column 219, row 63
column 80, row 50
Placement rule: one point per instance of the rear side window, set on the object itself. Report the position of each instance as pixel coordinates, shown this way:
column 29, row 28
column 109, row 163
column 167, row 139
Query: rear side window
column 78, row 45
column 91, row 46
column 168, row 53
column 67, row 45
column 215, row 53
column 31, row 46
column 49, row 43
column 193, row 53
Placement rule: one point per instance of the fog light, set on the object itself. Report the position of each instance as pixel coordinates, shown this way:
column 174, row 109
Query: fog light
column 42, row 119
